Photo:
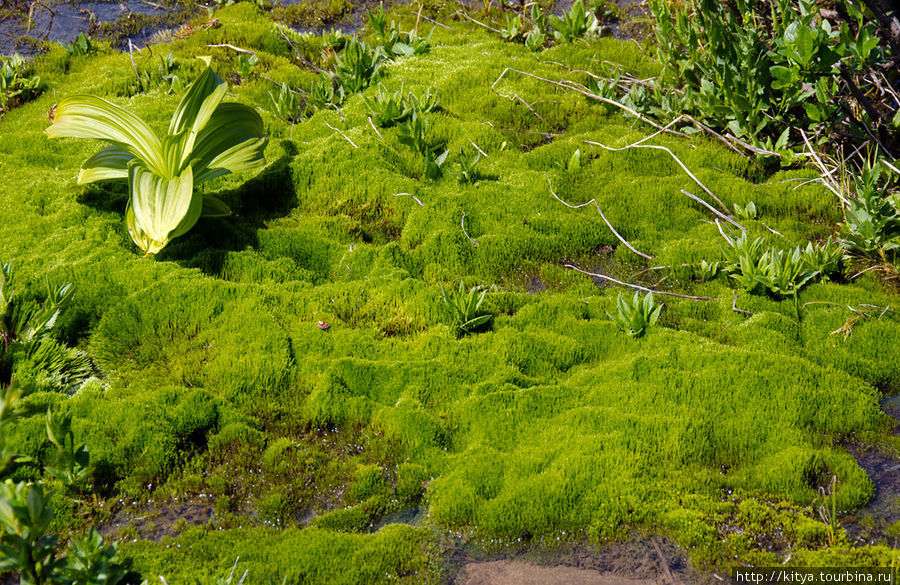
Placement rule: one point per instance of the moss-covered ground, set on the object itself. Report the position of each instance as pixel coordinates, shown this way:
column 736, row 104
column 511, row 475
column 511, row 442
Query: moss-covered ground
column 716, row 429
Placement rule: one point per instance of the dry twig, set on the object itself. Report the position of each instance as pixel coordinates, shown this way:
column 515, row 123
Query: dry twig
column 347, row 138
column 462, row 224
column 637, row 286
column 603, row 217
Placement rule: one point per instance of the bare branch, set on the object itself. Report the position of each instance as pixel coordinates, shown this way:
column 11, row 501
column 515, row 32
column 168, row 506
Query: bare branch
column 416, row 199
column 573, row 87
column 462, row 224
column 672, row 154
column 714, row 210
column 637, row 286
column 347, row 138
column 603, row 217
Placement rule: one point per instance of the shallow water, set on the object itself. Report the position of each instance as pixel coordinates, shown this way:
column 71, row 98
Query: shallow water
column 64, row 22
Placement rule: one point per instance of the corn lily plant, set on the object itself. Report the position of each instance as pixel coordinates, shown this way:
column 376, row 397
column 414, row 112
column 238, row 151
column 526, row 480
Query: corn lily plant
column 206, row 139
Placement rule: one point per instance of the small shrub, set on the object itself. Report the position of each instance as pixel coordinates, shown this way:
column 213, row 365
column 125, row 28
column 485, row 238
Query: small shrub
column 17, row 84
column 83, row 45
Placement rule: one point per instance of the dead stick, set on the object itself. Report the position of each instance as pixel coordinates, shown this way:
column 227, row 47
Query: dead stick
column 436, row 22
column 588, row 94
column 734, row 307
column 670, row 153
column 416, row 199
column 462, row 224
column 714, row 210
column 637, row 286
column 483, row 153
column 233, row 48
column 136, row 74
column 603, row 217
column 374, row 128
column 347, row 138
column 481, row 23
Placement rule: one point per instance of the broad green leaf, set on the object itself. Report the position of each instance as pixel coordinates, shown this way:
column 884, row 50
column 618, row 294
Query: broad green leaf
column 214, row 207
column 232, row 141
column 109, row 163
column 138, row 235
column 196, row 108
column 159, row 205
column 93, row 117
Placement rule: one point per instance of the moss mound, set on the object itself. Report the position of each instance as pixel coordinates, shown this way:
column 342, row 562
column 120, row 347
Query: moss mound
column 219, row 378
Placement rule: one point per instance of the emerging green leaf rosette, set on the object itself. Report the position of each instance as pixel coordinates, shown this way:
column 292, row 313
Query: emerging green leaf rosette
column 206, row 139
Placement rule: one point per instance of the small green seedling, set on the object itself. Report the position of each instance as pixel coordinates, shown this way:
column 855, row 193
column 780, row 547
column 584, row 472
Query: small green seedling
column 468, row 173
column 465, row 309
column 284, row 103
column 635, row 317
column 72, row 464
column 246, row 64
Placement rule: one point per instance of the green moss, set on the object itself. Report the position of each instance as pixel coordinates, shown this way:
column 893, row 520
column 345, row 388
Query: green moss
column 395, row 554
column 220, row 375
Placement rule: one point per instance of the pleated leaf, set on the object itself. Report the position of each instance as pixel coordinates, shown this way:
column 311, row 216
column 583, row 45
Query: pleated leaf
column 159, row 205
column 92, row 117
column 199, row 104
column 109, row 163
column 233, row 141
column 214, row 207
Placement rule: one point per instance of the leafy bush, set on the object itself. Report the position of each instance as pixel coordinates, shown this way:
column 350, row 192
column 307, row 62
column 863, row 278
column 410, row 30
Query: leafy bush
column 206, row 139
column 468, row 163
column 357, row 65
column 83, row 45
column 635, row 317
column 246, row 65
column 285, row 103
column 872, row 224
column 387, row 108
column 394, row 42
column 414, row 132
column 760, row 68
column 17, row 84
column 26, row 544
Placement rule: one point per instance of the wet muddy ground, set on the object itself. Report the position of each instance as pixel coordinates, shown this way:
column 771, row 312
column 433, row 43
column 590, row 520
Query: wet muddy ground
column 875, row 523
column 642, row 560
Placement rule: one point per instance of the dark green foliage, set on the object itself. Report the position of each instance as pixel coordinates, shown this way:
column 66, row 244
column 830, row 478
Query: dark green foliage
column 93, row 562
column 26, row 544
column 83, row 45
column 759, row 69
column 873, row 217
column 17, row 83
